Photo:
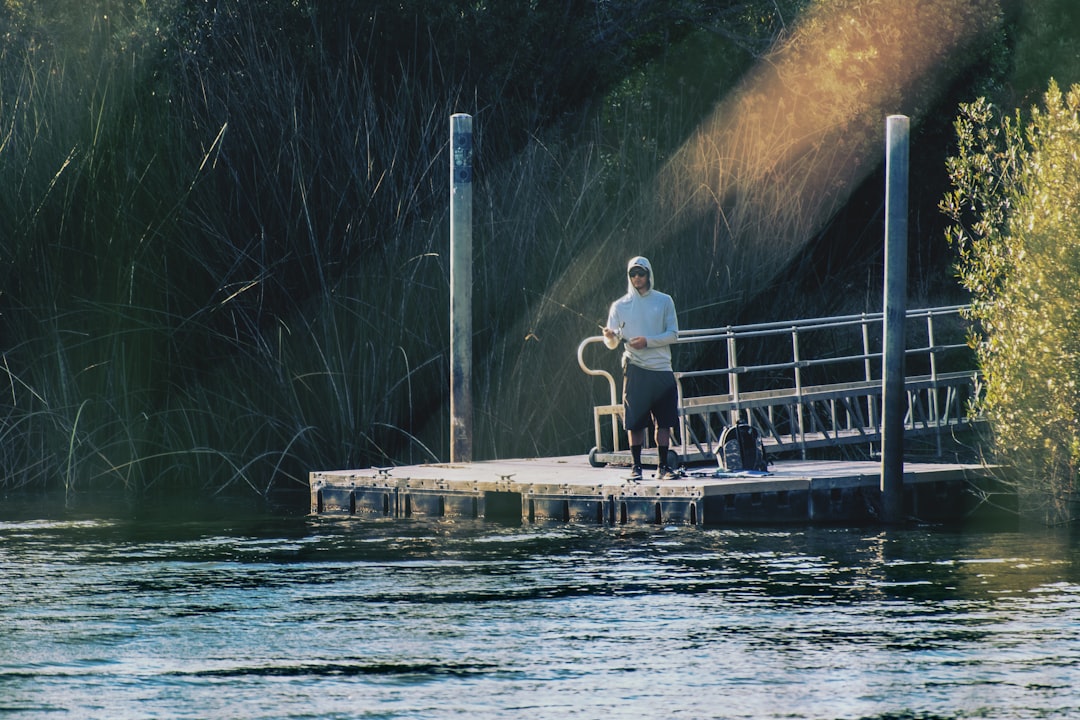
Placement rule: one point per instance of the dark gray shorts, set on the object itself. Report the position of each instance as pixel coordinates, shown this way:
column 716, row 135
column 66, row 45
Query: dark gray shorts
column 649, row 396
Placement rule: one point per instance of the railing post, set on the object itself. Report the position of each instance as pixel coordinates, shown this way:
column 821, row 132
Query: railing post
column 683, row 422
column 800, row 410
column 893, row 381
column 868, row 375
column 935, row 411
column 733, row 375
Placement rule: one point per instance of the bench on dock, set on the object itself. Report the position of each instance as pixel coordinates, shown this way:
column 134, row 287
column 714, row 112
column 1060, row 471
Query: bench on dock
column 792, row 416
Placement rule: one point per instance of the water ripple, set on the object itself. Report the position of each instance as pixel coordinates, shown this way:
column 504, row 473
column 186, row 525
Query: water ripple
column 274, row 617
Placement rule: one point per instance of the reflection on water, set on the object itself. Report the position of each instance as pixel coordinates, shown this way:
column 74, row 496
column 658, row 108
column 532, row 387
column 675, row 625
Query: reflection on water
column 264, row 614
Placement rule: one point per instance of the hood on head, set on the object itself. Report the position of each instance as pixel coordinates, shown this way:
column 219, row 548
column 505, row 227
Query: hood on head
column 641, row 262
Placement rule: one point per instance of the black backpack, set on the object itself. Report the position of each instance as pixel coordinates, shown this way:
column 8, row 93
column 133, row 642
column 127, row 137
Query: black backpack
column 741, row 448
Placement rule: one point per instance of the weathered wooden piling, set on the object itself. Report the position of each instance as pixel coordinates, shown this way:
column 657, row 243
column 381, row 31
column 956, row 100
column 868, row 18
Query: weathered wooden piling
column 461, row 176
column 894, row 400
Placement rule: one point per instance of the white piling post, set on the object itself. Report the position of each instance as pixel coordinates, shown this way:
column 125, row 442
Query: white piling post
column 461, row 176
column 894, row 400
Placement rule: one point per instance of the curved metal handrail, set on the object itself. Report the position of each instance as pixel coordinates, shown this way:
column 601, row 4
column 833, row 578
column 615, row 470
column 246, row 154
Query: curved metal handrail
column 592, row 371
column 797, row 364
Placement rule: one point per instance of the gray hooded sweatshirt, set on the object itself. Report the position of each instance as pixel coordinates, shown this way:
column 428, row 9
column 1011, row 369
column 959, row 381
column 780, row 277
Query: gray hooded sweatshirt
column 651, row 316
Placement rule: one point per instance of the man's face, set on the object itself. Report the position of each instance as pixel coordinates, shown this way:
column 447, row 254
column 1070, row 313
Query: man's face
column 639, row 278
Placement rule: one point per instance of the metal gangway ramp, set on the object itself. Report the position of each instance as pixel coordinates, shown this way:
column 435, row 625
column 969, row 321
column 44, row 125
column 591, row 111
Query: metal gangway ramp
column 817, row 383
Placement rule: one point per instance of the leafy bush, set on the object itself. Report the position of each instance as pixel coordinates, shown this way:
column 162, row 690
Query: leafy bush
column 1016, row 207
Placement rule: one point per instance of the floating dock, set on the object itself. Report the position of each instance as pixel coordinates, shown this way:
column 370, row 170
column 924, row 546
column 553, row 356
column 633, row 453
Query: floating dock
column 792, row 415
column 570, row 490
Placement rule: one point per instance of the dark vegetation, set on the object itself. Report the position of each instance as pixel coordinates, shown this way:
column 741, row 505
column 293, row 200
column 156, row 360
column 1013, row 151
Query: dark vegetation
column 225, row 223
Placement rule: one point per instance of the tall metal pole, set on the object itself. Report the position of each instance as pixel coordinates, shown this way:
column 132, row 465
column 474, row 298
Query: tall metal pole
column 894, row 403
column 461, row 175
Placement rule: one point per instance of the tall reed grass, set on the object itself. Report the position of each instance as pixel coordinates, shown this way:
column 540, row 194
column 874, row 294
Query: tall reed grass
column 226, row 256
column 207, row 271
column 229, row 265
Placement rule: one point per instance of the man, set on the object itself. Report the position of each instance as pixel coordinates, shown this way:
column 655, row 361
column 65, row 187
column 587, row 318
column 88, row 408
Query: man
column 644, row 321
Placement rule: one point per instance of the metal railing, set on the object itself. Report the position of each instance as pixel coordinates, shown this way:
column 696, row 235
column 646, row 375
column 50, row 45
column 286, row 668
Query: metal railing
column 808, row 397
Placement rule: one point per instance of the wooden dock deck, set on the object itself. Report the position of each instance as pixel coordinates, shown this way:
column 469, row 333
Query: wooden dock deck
column 570, row 490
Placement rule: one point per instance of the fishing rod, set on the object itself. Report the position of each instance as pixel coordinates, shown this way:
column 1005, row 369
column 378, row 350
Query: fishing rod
column 532, row 335
column 566, row 307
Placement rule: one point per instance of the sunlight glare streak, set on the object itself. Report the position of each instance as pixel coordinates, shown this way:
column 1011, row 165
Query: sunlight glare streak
column 784, row 151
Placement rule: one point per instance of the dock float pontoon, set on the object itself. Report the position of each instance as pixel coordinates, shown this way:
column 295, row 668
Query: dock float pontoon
column 570, row 490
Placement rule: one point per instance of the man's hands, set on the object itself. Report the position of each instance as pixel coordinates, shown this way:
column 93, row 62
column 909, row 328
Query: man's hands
column 614, row 336
column 636, row 342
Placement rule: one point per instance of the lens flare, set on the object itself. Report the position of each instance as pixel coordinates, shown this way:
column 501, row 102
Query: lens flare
column 784, row 151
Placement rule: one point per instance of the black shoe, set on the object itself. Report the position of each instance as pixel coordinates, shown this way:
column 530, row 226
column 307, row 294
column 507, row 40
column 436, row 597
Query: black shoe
column 665, row 473
column 635, row 473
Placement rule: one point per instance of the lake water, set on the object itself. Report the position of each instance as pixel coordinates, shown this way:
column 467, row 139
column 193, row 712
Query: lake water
column 266, row 613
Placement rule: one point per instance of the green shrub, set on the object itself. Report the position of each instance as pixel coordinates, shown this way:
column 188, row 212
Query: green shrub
column 1016, row 207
